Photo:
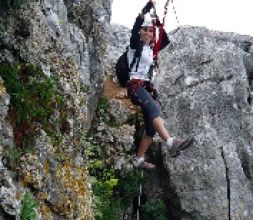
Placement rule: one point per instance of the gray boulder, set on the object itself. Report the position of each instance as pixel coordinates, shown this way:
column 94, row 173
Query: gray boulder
column 205, row 93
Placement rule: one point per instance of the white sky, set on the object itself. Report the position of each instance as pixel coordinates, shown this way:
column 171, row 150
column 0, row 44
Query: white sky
column 221, row 15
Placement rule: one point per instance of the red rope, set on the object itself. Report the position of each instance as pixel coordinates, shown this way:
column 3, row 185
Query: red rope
column 157, row 44
column 165, row 10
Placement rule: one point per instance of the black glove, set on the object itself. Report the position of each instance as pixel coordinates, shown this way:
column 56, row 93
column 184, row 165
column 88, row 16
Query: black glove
column 157, row 21
column 154, row 94
column 152, row 90
column 147, row 7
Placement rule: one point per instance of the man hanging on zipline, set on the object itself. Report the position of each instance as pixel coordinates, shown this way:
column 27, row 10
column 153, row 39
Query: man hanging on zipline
column 144, row 50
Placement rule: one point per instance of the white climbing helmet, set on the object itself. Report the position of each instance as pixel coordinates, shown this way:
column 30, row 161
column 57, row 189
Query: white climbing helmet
column 147, row 21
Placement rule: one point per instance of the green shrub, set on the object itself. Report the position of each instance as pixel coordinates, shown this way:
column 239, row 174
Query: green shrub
column 106, row 210
column 14, row 155
column 32, row 101
column 31, row 92
column 113, row 191
column 105, row 181
column 153, row 210
column 28, row 209
column 129, row 186
column 102, row 108
column 6, row 5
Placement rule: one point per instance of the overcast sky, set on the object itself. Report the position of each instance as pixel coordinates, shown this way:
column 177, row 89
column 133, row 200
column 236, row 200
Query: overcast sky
column 222, row 15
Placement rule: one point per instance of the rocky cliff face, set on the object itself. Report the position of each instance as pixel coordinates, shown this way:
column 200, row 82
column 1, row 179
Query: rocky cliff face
column 67, row 40
column 204, row 86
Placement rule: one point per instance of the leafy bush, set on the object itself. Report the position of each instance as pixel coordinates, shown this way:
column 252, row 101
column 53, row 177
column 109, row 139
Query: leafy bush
column 114, row 192
column 14, row 157
column 28, row 209
column 129, row 185
column 16, row 3
column 31, row 92
column 153, row 210
column 5, row 5
column 107, row 207
column 102, row 108
column 32, row 99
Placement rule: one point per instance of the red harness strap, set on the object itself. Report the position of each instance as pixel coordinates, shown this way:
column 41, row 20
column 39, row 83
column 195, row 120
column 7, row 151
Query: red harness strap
column 134, row 84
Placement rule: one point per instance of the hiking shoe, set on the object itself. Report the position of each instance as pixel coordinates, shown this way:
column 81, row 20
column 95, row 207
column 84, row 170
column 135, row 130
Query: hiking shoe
column 179, row 145
column 142, row 164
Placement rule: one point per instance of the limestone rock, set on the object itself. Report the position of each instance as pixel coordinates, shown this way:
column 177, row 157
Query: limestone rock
column 46, row 34
column 120, row 113
column 119, row 37
column 204, row 89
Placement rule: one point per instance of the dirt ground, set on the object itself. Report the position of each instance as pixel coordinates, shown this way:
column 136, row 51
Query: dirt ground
column 113, row 90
